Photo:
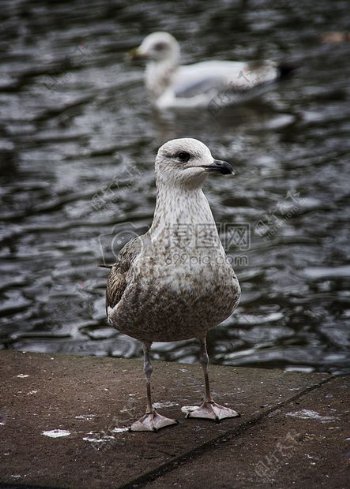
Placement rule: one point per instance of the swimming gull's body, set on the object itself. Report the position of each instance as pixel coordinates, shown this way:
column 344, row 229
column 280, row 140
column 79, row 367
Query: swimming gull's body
column 171, row 85
column 175, row 282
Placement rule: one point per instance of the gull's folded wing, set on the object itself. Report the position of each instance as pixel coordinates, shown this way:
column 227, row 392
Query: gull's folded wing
column 216, row 76
column 117, row 278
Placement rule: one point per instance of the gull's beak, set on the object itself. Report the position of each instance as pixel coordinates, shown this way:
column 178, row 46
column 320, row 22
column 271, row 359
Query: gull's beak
column 219, row 166
column 136, row 53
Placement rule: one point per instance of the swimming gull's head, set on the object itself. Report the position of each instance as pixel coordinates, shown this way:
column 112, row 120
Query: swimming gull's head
column 158, row 47
column 186, row 162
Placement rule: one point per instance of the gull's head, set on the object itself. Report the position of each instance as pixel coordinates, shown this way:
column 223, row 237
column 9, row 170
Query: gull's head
column 158, row 47
column 186, row 163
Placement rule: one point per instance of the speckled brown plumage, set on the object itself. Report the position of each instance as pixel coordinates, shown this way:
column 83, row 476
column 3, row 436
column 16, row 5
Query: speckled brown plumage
column 117, row 279
column 175, row 282
column 164, row 285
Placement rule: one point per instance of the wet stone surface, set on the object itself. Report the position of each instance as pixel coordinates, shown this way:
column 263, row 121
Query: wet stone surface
column 64, row 419
column 77, row 145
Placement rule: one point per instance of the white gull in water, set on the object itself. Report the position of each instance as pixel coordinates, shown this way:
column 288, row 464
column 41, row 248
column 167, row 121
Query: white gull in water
column 172, row 85
column 152, row 294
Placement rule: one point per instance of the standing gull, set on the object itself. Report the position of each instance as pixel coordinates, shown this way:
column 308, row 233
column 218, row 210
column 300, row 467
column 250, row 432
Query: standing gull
column 173, row 85
column 174, row 282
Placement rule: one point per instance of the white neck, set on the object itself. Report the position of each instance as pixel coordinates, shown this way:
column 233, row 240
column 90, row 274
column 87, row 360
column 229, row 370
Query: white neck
column 181, row 213
column 159, row 75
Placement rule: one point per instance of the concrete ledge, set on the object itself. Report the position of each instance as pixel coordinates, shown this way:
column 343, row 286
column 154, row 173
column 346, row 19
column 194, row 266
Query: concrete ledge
column 291, row 432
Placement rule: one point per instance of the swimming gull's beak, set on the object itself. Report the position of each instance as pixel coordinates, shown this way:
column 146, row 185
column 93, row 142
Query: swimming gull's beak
column 219, row 166
column 136, row 53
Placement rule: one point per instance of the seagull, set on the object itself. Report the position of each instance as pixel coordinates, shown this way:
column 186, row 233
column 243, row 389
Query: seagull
column 175, row 282
column 171, row 85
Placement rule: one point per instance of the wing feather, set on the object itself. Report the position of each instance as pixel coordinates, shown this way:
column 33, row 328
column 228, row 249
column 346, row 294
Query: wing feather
column 118, row 276
column 211, row 76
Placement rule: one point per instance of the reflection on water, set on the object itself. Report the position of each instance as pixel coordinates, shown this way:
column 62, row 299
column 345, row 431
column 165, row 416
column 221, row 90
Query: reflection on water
column 77, row 145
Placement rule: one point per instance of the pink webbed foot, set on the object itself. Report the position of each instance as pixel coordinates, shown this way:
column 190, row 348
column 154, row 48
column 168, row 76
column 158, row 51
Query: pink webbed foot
column 210, row 410
column 152, row 422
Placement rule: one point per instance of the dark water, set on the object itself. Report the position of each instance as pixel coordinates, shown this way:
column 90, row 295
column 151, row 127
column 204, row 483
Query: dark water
column 77, row 145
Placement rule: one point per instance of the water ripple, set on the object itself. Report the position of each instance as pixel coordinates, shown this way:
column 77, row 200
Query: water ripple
column 77, row 145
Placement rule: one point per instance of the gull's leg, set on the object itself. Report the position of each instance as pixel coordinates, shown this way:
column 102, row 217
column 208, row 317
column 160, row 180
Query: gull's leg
column 209, row 409
column 151, row 421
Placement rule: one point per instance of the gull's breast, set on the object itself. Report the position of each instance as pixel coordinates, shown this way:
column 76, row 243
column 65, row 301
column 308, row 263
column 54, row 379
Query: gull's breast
column 178, row 301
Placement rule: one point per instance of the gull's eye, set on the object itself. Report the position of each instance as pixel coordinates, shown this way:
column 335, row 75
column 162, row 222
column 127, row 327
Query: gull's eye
column 183, row 156
column 159, row 46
